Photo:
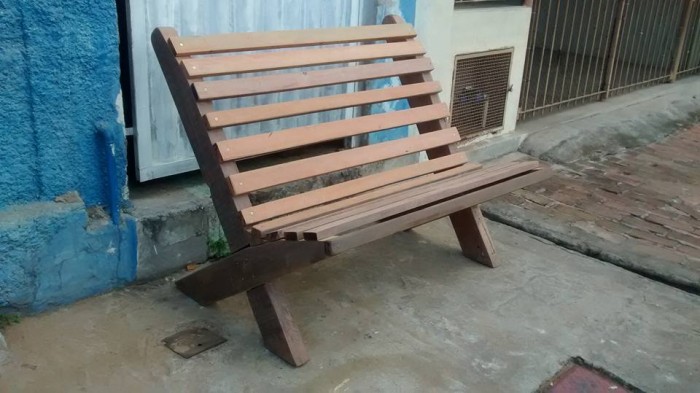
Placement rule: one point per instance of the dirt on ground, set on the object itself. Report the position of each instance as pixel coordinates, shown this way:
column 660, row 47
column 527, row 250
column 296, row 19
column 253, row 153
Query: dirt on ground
column 639, row 209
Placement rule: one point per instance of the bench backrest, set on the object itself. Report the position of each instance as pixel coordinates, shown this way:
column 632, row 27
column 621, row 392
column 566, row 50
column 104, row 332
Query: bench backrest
column 189, row 62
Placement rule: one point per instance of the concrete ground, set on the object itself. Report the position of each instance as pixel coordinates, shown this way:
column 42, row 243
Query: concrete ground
column 405, row 314
column 608, row 127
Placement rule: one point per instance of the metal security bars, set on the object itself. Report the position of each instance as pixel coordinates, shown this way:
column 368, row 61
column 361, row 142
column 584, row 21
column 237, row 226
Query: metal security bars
column 586, row 50
column 480, row 90
column 645, row 50
column 485, row 2
column 689, row 58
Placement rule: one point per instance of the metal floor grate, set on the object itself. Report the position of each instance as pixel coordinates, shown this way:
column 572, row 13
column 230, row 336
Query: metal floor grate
column 480, row 88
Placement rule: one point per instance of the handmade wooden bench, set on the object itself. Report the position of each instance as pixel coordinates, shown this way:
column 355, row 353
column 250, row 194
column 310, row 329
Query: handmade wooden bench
column 276, row 237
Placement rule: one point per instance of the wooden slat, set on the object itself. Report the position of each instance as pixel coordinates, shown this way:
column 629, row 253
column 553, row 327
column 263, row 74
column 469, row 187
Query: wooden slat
column 246, row 182
column 279, row 207
column 269, row 227
column 222, row 65
column 256, row 145
column 296, row 231
column 236, row 42
column 412, row 199
column 252, row 114
column 240, row 87
column 338, row 244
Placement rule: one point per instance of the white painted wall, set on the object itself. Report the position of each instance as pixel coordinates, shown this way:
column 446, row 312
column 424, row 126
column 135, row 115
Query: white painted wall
column 162, row 148
column 447, row 31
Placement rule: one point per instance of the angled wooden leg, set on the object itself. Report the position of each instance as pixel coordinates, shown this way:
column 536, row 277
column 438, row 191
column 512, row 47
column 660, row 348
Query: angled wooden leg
column 279, row 332
column 474, row 237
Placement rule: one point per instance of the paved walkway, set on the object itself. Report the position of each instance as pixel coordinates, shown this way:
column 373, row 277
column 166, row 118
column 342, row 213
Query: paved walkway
column 404, row 314
column 639, row 209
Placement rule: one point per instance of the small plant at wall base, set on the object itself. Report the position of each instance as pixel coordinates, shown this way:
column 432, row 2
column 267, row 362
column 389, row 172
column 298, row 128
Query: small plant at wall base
column 9, row 319
column 218, row 248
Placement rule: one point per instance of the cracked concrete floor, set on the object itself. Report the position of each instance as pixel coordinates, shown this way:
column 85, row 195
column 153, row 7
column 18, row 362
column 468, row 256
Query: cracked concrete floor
column 405, row 314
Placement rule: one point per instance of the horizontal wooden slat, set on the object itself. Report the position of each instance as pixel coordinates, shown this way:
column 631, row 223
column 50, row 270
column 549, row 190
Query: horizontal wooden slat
column 338, row 244
column 279, row 207
column 256, row 145
column 240, row 87
column 246, row 182
column 236, row 42
column 361, row 216
column 268, row 227
column 221, row 65
column 231, row 117
column 296, row 231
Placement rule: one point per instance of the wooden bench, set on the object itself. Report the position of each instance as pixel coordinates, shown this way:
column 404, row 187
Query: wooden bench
column 276, row 237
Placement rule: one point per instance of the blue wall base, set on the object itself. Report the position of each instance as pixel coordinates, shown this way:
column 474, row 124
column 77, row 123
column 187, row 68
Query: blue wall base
column 54, row 254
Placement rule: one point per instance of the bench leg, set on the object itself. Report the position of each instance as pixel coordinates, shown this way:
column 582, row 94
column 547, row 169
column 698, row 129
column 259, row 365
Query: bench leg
column 279, row 332
column 474, row 237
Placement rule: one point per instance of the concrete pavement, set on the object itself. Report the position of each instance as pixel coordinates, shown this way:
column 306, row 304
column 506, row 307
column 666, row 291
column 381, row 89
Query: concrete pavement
column 407, row 314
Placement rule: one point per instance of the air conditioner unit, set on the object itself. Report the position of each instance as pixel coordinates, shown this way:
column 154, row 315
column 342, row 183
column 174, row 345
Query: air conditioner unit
column 480, row 87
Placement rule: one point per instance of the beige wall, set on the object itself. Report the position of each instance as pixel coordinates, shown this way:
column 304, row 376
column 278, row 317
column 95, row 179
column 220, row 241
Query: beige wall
column 448, row 32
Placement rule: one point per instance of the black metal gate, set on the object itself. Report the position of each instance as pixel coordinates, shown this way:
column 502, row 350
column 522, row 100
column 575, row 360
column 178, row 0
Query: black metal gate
column 586, row 50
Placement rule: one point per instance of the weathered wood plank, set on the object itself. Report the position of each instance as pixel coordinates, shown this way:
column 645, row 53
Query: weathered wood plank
column 319, row 214
column 237, row 42
column 238, row 64
column 241, row 87
column 398, row 194
column 246, row 182
column 257, row 145
column 291, row 204
column 413, row 199
column 238, row 116
column 338, row 244
column 276, row 224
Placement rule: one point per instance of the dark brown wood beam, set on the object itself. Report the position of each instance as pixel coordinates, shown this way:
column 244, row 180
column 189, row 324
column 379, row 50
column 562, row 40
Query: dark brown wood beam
column 249, row 268
column 280, row 334
column 202, row 141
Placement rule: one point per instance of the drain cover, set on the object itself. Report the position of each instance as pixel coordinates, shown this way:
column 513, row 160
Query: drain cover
column 188, row 343
column 578, row 377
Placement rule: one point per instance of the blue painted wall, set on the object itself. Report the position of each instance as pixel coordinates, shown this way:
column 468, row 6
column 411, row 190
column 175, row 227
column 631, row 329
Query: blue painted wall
column 407, row 10
column 59, row 72
column 53, row 254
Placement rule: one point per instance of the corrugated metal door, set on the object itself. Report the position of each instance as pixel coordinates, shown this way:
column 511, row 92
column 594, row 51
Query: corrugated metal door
column 162, row 148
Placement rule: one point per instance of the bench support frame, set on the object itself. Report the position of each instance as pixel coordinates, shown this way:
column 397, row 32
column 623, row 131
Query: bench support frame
column 469, row 225
column 255, row 268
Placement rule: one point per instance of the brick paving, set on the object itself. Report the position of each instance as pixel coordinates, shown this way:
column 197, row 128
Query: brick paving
column 649, row 196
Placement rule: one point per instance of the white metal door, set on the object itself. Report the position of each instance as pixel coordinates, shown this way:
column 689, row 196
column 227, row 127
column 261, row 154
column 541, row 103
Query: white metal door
column 162, row 148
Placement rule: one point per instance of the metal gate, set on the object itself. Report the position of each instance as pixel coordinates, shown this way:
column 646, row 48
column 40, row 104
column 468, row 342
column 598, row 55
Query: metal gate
column 161, row 144
column 587, row 50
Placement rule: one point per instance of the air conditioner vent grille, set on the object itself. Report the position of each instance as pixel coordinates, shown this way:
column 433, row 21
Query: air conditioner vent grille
column 480, row 89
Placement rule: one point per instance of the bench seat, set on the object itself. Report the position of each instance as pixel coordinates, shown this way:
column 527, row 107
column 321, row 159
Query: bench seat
column 434, row 199
column 207, row 74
